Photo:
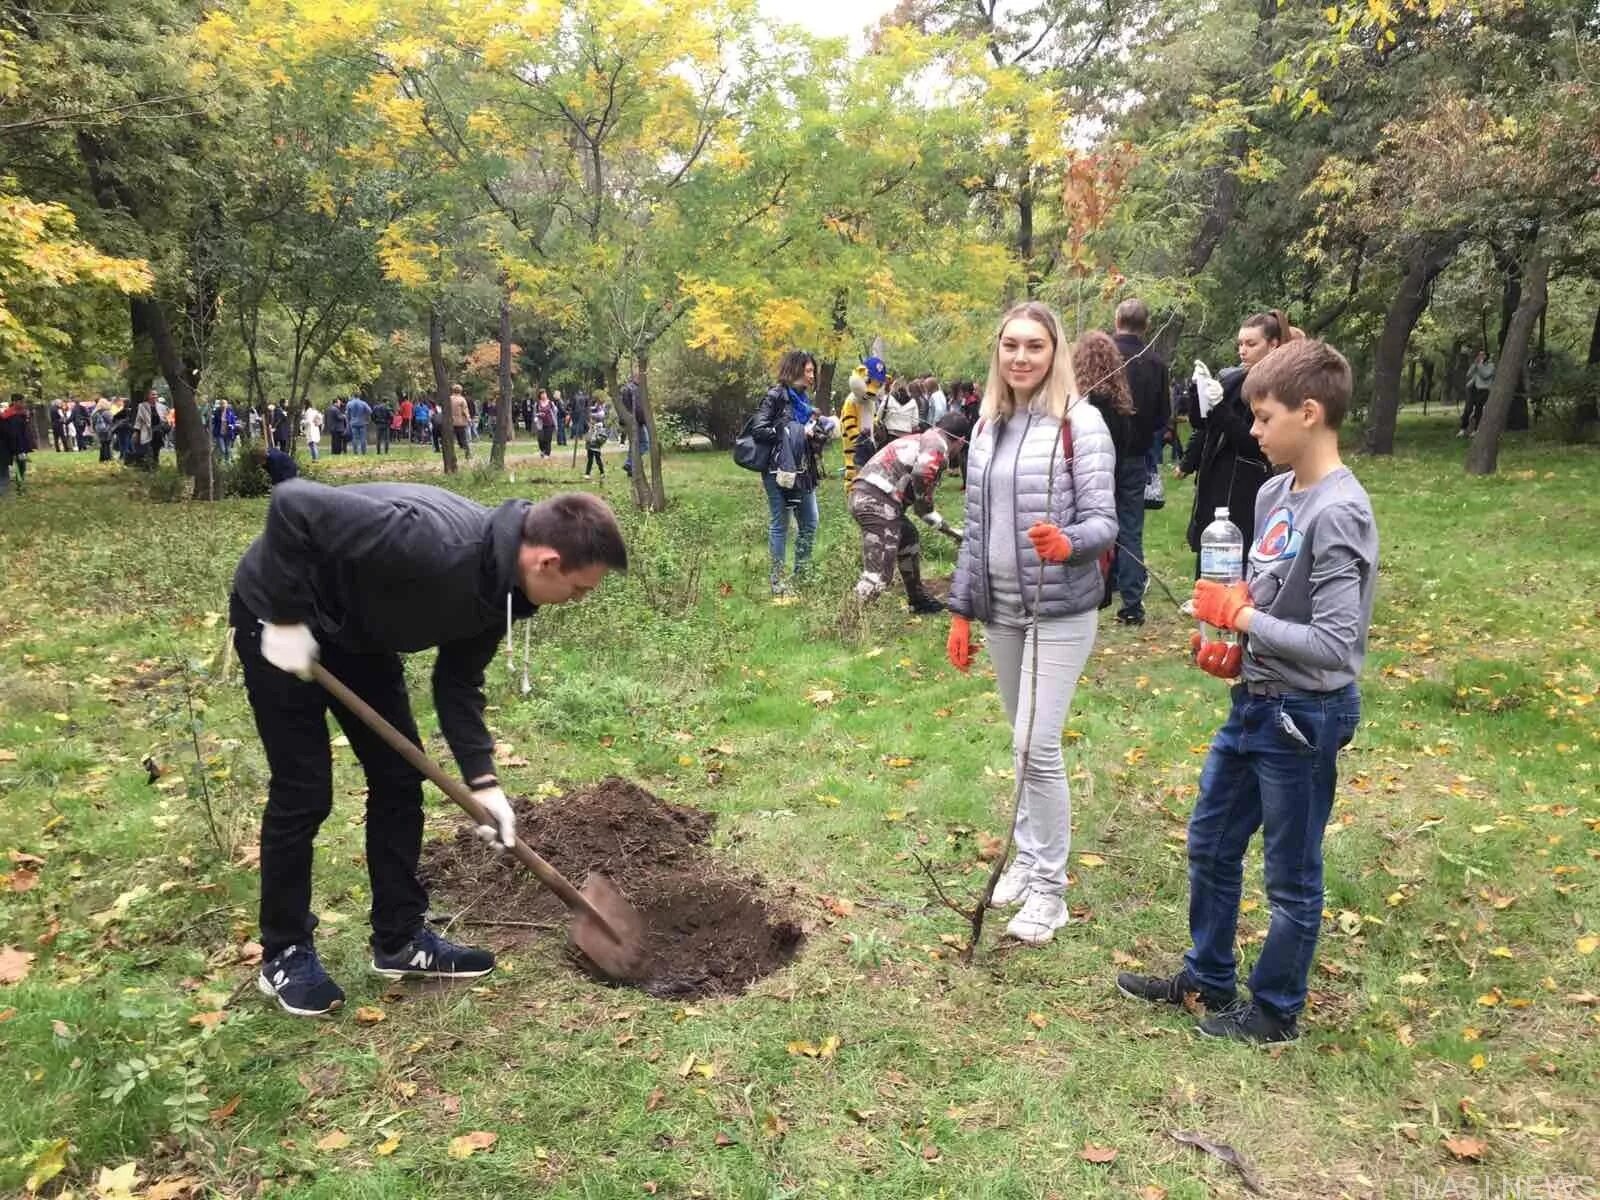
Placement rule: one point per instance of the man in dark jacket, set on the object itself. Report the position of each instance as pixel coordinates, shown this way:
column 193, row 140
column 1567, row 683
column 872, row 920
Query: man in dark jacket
column 322, row 580
column 1147, row 381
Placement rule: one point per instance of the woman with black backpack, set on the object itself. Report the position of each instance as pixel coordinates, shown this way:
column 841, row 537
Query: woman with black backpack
column 793, row 434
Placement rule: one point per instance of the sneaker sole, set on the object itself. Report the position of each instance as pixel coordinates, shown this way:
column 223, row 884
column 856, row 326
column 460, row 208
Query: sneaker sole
column 1042, row 938
column 413, row 973
column 1162, row 1000
column 1251, row 1042
column 266, row 989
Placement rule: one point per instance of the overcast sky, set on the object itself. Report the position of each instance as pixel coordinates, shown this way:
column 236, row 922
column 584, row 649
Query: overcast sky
column 828, row 18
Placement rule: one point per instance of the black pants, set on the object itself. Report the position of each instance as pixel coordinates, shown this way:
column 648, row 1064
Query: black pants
column 383, row 438
column 1472, row 410
column 594, row 460
column 545, row 434
column 291, row 717
column 461, row 440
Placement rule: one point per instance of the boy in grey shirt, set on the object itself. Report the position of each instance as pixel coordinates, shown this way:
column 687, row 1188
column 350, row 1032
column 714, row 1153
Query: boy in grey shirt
column 1304, row 610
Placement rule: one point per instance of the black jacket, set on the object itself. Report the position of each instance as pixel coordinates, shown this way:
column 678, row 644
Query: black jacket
column 378, row 567
column 1147, row 380
column 1226, row 462
column 771, row 428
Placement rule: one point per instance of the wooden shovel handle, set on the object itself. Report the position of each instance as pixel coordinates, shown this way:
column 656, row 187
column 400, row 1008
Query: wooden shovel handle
column 460, row 793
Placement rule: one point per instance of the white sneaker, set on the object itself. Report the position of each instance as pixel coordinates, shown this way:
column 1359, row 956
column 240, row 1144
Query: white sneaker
column 1011, row 888
column 1039, row 919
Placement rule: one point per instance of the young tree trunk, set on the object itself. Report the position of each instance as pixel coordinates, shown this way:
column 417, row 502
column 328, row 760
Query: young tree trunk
column 1484, row 453
column 656, row 492
column 1427, row 383
column 1429, row 256
column 441, row 389
column 502, row 412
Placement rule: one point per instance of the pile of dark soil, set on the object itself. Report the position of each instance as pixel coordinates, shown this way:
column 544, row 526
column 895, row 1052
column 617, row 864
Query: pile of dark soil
column 707, row 932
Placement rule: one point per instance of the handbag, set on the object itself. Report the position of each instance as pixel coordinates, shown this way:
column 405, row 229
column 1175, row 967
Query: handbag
column 1155, row 490
column 749, row 453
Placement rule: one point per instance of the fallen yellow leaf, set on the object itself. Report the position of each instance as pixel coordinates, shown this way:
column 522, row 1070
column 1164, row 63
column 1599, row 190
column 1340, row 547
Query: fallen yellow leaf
column 369, row 1015
column 387, row 1147
column 1586, row 945
column 337, row 1140
column 468, row 1143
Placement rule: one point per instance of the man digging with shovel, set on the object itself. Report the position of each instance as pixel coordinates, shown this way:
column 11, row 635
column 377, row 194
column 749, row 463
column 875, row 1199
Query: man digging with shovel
column 344, row 573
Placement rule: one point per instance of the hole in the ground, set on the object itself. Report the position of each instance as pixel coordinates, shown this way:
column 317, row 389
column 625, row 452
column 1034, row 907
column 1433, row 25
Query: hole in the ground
column 707, row 932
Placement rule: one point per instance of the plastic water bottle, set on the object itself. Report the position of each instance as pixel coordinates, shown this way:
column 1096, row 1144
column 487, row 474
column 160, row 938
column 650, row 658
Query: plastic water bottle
column 1221, row 561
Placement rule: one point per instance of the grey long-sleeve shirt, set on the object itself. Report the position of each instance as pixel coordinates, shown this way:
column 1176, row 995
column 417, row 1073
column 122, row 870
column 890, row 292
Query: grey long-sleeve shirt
column 1313, row 574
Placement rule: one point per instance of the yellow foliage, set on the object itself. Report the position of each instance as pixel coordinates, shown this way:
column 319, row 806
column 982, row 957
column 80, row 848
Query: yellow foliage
column 40, row 252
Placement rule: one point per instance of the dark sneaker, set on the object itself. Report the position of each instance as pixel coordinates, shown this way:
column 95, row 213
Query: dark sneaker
column 429, row 956
column 295, row 978
column 1182, row 990
column 925, row 605
column 1130, row 616
column 1247, row 1021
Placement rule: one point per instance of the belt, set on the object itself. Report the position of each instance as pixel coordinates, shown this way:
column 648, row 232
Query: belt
column 1267, row 688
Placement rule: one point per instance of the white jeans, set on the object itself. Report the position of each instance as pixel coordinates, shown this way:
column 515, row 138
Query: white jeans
column 1044, row 816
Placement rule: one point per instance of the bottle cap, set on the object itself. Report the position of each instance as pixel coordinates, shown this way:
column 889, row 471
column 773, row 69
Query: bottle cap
column 1222, row 513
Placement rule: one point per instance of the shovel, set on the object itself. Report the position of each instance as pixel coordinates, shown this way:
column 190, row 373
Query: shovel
column 605, row 927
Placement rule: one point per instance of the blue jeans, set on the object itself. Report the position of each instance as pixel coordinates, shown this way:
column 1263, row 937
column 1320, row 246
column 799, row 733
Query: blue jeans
column 1272, row 767
column 779, row 504
column 358, row 439
column 1129, row 574
column 224, row 447
column 312, row 446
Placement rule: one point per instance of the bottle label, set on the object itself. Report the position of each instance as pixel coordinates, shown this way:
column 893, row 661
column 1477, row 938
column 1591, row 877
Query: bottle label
column 1222, row 562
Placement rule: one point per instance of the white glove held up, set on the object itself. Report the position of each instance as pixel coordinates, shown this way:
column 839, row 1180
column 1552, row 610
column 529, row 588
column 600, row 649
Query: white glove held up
column 290, row 648
column 503, row 833
column 1207, row 390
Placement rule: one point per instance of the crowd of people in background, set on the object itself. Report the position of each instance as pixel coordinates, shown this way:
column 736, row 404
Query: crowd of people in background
column 134, row 433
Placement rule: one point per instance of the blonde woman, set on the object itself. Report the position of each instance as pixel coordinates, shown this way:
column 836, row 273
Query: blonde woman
column 1040, row 511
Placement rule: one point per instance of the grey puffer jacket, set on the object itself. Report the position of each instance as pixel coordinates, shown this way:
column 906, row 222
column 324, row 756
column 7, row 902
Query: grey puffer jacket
column 1083, row 504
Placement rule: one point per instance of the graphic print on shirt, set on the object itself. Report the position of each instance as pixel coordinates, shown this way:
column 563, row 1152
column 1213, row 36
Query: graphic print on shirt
column 1277, row 547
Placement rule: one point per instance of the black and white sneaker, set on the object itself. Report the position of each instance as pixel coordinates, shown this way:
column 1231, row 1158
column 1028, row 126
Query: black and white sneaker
column 296, row 979
column 1246, row 1021
column 429, row 956
column 1182, row 990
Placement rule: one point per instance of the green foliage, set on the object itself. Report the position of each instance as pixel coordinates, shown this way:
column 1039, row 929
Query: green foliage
column 246, row 477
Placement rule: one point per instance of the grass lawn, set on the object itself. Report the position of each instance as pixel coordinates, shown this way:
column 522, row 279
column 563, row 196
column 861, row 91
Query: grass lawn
column 1453, row 1039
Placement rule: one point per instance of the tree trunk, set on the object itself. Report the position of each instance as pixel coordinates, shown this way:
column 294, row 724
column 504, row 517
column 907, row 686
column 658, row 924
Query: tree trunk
column 656, row 498
column 1430, row 255
column 1484, row 453
column 502, row 412
column 827, row 370
column 441, row 389
column 1455, row 373
column 193, row 440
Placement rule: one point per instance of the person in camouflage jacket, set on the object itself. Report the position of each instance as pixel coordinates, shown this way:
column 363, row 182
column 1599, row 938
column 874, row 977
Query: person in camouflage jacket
column 903, row 474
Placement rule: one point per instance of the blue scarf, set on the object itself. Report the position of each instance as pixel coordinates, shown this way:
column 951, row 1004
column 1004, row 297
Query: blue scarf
column 802, row 406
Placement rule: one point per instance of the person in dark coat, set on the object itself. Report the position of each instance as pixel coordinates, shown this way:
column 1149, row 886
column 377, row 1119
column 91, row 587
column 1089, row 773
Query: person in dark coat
column 16, row 442
column 1226, row 461
column 1148, row 386
column 787, row 424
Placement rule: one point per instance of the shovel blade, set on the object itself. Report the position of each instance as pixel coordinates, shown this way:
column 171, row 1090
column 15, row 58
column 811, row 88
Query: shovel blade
column 620, row 957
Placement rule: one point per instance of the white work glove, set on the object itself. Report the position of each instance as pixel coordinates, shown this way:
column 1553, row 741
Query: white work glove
column 1207, row 390
column 503, row 833
column 290, row 648
column 933, row 520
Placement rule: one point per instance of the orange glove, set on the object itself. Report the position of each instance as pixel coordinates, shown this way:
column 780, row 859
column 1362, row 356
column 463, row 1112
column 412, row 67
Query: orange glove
column 1050, row 542
column 1216, row 658
column 1218, row 605
column 958, row 646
